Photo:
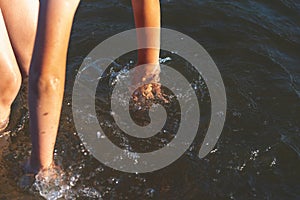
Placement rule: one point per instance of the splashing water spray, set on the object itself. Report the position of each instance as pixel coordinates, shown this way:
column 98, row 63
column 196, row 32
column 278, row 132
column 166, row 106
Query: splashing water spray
column 126, row 160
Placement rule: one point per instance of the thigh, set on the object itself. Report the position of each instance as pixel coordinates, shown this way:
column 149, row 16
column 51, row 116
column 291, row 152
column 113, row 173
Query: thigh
column 8, row 63
column 20, row 17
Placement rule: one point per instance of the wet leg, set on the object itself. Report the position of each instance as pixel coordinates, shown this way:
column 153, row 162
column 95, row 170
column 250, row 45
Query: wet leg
column 47, row 77
column 10, row 77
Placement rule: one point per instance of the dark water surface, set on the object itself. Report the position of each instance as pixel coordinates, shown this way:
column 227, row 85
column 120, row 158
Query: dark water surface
column 256, row 46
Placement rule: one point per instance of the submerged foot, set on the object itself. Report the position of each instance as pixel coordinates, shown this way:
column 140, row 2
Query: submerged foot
column 40, row 179
column 4, row 123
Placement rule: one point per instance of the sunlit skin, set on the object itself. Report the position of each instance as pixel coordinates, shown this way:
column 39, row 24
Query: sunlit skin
column 34, row 37
column 147, row 14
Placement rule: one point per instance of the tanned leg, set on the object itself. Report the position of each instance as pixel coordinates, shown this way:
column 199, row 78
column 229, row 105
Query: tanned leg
column 21, row 21
column 10, row 77
column 47, row 77
column 147, row 14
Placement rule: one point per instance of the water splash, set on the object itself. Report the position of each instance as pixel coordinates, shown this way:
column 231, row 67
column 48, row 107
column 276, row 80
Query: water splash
column 51, row 184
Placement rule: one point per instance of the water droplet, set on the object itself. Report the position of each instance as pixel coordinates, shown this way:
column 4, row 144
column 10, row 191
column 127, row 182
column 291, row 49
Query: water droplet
column 273, row 162
column 214, row 151
column 150, row 192
column 220, row 114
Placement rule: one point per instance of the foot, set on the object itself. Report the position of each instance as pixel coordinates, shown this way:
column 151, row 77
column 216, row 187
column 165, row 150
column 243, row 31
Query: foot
column 44, row 177
column 3, row 125
column 4, row 119
column 149, row 93
column 146, row 79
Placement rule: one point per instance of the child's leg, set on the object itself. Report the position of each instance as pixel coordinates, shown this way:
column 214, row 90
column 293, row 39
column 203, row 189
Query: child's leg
column 47, row 66
column 10, row 77
column 147, row 14
column 47, row 77
column 21, row 20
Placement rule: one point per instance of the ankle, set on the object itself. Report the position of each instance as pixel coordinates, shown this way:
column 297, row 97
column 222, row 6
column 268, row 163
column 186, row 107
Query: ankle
column 35, row 165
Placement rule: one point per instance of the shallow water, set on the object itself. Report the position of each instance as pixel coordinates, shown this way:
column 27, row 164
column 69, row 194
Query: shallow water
column 255, row 45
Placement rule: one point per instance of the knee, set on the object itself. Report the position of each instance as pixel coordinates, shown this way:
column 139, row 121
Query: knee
column 9, row 87
column 45, row 84
column 50, row 84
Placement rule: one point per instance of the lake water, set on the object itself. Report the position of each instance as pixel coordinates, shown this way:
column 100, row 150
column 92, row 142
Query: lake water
column 256, row 46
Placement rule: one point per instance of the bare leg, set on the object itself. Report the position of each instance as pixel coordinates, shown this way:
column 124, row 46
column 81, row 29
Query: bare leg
column 10, row 80
column 21, row 20
column 147, row 14
column 47, row 68
column 47, row 77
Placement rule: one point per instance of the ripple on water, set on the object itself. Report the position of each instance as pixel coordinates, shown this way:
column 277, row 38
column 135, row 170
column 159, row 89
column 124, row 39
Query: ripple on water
column 255, row 45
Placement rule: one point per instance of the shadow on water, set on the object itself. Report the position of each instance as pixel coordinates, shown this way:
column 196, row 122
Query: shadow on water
column 255, row 44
